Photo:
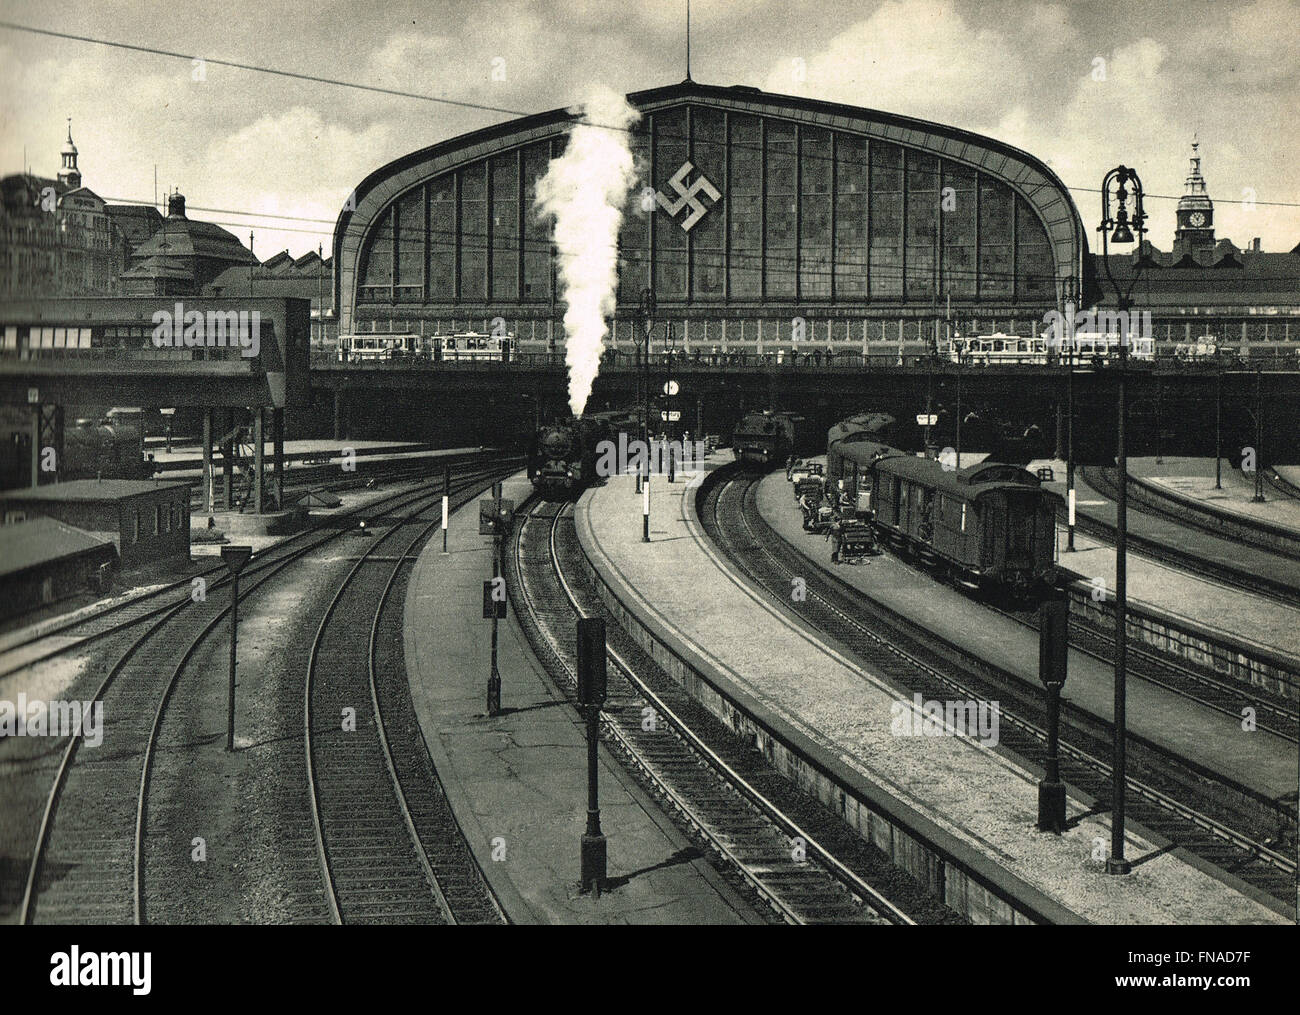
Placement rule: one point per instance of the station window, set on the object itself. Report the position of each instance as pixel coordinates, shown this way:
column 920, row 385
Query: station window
column 923, row 199
column 1035, row 272
column 473, row 233
column 850, row 217
column 886, row 216
column 670, row 254
column 815, row 213
column 537, row 228
column 745, row 208
column 708, row 238
column 505, row 226
column 957, row 217
column 781, row 211
column 442, row 239
column 997, row 211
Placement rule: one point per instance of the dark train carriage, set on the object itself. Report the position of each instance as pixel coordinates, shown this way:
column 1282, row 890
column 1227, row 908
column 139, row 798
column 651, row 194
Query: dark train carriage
column 850, row 462
column 990, row 525
column 873, row 426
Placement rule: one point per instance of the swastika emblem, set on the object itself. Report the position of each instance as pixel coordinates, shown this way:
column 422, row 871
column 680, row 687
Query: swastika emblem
column 686, row 195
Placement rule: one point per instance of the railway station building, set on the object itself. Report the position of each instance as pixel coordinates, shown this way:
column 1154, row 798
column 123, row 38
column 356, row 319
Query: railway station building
column 755, row 218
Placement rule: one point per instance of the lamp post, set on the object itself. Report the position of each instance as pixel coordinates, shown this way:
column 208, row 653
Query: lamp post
column 643, row 374
column 670, row 389
column 235, row 557
column 1069, row 445
column 1121, row 178
column 1218, row 417
column 1259, row 443
column 958, row 449
column 591, row 696
column 1053, row 654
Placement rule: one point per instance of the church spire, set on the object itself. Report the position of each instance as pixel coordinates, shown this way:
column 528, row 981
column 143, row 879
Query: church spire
column 69, row 174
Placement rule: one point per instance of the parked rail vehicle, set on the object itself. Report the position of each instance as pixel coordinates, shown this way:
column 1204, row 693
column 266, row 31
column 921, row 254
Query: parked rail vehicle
column 990, row 526
column 765, row 438
column 109, row 449
column 877, row 426
column 463, row 347
column 562, row 462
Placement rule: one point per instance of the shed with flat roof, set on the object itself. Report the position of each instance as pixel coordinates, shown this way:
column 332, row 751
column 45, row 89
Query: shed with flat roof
column 146, row 520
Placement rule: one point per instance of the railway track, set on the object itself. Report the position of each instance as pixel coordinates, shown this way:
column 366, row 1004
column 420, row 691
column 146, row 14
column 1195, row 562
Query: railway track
column 1274, row 714
column 1252, row 532
column 1182, row 811
column 389, row 846
column 779, row 860
column 74, row 634
column 1224, row 573
column 88, row 860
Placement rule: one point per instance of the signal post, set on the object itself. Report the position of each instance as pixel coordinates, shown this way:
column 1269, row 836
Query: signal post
column 494, row 518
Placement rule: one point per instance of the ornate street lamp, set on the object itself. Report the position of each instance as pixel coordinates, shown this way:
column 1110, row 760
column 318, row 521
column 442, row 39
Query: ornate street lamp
column 643, row 373
column 1120, row 229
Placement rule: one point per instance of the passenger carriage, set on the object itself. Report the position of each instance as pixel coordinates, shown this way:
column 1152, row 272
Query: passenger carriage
column 990, row 525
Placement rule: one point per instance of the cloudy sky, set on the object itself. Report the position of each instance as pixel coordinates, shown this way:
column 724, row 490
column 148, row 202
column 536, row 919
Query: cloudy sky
column 1082, row 85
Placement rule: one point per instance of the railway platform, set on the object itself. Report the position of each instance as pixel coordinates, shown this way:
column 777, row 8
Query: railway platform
column 517, row 782
column 1182, row 540
column 1260, row 761
column 953, row 810
column 1193, row 478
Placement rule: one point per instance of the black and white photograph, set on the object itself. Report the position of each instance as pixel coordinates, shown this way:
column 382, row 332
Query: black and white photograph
column 643, row 463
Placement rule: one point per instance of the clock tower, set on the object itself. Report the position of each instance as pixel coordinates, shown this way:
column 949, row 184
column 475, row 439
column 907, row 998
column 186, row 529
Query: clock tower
column 1195, row 231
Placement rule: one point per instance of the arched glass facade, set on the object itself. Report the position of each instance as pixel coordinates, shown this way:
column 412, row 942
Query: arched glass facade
column 739, row 205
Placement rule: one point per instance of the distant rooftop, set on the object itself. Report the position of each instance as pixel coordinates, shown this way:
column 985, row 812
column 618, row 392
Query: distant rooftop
column 88, row 490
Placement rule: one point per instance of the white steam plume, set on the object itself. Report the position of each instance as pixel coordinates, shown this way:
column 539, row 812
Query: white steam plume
column 586, row 189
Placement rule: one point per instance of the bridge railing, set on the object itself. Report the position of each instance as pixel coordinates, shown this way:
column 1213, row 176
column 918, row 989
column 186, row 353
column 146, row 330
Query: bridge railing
column 1273, row 357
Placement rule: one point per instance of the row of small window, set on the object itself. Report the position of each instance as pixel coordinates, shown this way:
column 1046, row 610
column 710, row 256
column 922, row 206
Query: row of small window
column 16, row 337
column 165, row 518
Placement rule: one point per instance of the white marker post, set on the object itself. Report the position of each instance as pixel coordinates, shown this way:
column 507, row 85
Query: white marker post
column 446, row 489
column 1070, row 517
column 645, row 509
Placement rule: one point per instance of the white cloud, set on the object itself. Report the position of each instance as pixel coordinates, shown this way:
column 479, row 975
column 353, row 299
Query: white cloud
column 918, row 58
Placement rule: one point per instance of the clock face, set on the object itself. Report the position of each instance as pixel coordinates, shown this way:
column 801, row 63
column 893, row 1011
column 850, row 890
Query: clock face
column 1196, row 218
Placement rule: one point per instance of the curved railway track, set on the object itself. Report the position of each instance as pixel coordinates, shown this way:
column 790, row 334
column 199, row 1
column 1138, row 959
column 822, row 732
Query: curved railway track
column 389, row 846
column 88, row 863
column 753, row 837
column 901, row 655
column 1218, row 571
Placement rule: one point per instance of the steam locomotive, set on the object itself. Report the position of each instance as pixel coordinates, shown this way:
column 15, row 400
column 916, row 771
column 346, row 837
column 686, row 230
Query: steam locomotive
column 563, row 457
column 989, row 526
